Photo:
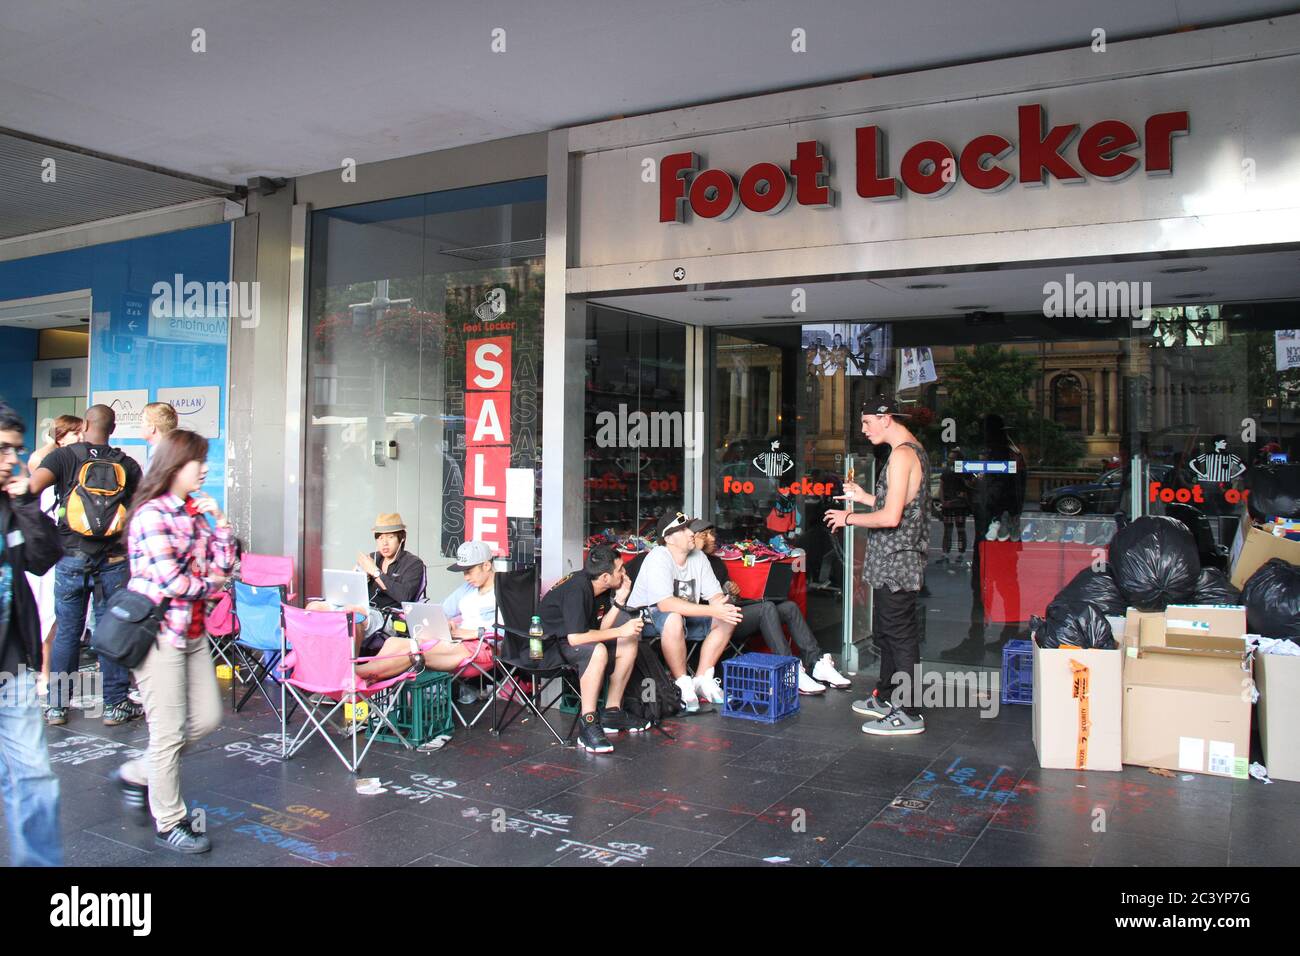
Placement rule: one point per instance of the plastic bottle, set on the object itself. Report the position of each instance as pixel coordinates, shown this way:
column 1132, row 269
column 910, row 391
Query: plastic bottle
column 535, row 639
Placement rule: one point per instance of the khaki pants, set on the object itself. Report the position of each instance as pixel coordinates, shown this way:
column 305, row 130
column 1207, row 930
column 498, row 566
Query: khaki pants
column 182, row 703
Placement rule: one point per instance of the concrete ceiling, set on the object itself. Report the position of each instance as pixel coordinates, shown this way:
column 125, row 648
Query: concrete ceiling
column 295, row 86
column 1255, row 277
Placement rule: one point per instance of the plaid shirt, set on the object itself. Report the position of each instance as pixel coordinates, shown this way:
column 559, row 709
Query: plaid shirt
column 172, row 552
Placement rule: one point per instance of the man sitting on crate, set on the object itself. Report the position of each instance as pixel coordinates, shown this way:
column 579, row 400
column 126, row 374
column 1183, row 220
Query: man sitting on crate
column 581, row 627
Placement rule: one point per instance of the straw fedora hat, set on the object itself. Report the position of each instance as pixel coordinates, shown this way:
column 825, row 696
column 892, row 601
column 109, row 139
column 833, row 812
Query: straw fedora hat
column 388, row 523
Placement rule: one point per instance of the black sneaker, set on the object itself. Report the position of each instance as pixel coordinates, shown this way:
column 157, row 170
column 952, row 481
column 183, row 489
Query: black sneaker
column 616, row 719
column 56, row 716
column 184, row 840
column 135, row 797
column 591, row 738
column 122, row 713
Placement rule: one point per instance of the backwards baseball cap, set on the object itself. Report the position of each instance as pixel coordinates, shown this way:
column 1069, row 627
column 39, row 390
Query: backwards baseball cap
column 883, row 406
column 701, row 524
column 672, row 521
column 471, row 554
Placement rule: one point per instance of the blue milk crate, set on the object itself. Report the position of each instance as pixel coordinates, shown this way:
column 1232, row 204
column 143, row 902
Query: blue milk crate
column 761, row 687
column 1018, row 672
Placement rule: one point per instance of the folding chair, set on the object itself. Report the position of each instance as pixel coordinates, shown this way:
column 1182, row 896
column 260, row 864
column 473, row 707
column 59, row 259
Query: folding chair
column 320, row 672
column 516, row 593
column 256, row 569
column 257, row 638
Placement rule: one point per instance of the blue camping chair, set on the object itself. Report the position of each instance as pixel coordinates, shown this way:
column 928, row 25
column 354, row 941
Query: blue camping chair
column 258, row 641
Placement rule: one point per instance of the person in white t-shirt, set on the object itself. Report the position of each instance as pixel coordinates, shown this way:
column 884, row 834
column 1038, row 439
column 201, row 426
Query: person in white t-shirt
column 679, row 586
column 473, row 605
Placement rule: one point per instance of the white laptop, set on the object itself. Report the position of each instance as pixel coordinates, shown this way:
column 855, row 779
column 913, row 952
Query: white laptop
column 345, row 587
column 427, row 622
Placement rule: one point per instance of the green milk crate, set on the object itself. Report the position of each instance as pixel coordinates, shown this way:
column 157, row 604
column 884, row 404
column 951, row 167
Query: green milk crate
column 423, row 710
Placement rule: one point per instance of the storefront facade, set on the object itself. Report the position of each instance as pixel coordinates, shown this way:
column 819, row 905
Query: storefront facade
column 687, row 309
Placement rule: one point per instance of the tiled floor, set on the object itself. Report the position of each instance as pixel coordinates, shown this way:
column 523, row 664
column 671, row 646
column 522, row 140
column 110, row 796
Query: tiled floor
column 810, row 790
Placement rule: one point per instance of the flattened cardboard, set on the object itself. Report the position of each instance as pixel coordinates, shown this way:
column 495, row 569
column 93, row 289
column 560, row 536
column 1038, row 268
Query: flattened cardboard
column 1255, row 548
column 1278, row 679
column 1056, row 710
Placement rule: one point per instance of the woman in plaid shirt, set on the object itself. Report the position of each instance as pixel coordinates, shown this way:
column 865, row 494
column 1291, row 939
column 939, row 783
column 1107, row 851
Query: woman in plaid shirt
column 175, row 554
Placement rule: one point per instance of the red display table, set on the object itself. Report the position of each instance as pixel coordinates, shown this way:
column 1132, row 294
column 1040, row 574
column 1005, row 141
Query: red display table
column 753, row 580
column 1020, row 578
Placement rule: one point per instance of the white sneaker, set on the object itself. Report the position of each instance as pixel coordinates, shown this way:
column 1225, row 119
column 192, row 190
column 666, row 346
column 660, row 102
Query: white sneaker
column 992, row 533
column 807, row 685
column 824, row 671
column 689, row 698
column 707, row 687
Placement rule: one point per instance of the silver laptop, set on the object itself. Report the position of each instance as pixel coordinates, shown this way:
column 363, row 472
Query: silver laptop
column 345, row 587
column 427, row 622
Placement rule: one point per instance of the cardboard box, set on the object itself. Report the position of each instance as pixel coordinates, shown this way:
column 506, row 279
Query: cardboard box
column 1255, row 548
column 1078, row 698
column 1186, row 695
column 1278, row 678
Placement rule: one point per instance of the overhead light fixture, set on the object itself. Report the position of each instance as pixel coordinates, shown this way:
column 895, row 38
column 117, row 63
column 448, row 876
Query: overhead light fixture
column 1181, row 270
column 711, row 298
column 1194, row 295
column 970, row 308
column 927, row 285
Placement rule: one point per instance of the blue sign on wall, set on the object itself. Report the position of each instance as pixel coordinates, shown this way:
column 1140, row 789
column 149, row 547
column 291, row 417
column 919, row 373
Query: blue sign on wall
column 130, row 362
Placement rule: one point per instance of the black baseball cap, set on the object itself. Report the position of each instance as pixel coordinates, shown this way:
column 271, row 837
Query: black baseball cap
column 884, row 406
column 701, row 524
column 670, row 522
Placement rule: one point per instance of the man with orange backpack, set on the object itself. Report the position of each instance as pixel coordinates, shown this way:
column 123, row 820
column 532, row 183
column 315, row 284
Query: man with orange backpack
column 94, row 483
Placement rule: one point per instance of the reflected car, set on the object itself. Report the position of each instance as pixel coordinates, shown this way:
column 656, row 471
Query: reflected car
column 1102, row 496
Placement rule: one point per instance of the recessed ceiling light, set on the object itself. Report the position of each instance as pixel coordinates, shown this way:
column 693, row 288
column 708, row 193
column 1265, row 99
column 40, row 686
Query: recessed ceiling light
column 1194, row 295
column 711, row 298
column 1180, row 270
column 970, row 308
column 927, row 285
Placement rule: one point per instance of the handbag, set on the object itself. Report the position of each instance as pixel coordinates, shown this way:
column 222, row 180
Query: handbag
column 129, row 628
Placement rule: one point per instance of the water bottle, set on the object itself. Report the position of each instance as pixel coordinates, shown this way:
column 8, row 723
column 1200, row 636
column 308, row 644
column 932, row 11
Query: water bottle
column 535, row 639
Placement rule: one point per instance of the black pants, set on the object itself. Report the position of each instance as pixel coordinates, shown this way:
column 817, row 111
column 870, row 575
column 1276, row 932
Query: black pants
column 899, row 639
column 767, row 618
column 957, row 520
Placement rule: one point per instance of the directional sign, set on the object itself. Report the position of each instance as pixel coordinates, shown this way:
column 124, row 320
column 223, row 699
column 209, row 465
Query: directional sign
column 132, row 315
column 984, row 467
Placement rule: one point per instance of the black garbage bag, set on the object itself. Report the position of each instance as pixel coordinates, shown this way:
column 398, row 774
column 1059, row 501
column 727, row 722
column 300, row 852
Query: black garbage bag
column 1155, row 562
column 1073, row 624
column 1274, row 491
column 1272, row 599
column 1097, row 588
column 1213, row 587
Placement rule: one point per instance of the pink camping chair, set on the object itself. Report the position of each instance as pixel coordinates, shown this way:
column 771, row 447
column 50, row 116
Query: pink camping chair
column 259, row 570
column 319, row 672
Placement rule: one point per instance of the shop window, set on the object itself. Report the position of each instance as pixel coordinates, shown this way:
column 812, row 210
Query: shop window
column 425, row 373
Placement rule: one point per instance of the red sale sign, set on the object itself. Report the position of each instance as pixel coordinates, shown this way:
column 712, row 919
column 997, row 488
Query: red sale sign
column 487, row 440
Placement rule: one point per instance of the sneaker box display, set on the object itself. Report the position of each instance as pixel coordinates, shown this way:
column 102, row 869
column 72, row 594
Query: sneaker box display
column 1078, row 706
column 1187, row 690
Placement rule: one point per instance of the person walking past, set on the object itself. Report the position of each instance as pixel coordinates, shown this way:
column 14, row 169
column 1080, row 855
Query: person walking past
column 176, row 555
column 29, row 543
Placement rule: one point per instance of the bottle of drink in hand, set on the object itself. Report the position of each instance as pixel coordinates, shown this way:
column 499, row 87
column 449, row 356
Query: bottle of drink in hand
column 535, row 639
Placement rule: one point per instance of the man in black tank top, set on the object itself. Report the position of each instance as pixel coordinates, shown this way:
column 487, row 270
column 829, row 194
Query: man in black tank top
column 898, row 536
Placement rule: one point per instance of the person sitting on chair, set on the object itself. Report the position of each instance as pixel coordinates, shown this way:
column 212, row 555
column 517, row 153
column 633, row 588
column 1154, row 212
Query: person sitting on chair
column 394, row 576
column 568, row 612
column 767, row 617
column 676, row 582
column 471, row 610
